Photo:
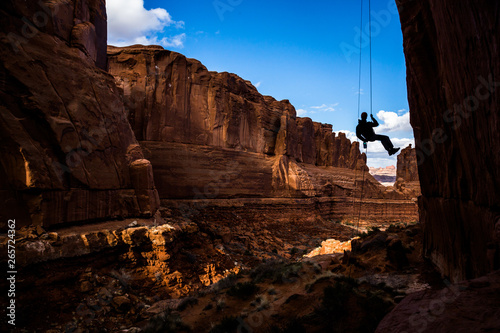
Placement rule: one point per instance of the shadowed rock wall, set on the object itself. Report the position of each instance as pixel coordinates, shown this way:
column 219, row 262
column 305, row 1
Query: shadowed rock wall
column 68, row 153
column 453, row 76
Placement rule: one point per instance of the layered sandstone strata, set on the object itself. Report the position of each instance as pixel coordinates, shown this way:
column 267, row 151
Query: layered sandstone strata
column 452, row 53
column 170, row 98
column 407, row 180
column 68, row 152
column 213, row 134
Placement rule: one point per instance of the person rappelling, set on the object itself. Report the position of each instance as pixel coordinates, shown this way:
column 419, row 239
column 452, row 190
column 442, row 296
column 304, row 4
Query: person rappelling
column 365, row 132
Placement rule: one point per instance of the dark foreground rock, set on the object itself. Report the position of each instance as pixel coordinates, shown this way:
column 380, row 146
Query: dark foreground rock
column 452, row 53
column 470, row 306
column 68, row 151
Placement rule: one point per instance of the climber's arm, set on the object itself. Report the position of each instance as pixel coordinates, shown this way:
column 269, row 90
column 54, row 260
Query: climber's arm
column 374, row 121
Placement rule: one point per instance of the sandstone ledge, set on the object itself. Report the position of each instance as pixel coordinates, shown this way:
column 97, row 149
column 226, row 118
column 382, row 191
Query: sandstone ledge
column 90, row 239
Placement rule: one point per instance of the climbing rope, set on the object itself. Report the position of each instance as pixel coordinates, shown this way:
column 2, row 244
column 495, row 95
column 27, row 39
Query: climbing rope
column 359, row 110
column 360, row 62
column 362, row 192
column 370, row 40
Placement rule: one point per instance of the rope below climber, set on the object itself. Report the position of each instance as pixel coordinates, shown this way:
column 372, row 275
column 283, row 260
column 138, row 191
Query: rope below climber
column 365, row 132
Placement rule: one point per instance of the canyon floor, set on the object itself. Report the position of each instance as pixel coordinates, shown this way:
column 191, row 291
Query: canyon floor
column 217, row 270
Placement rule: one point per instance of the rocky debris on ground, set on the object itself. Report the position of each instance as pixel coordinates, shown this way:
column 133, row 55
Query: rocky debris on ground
column 312, row 295
column 206, row 275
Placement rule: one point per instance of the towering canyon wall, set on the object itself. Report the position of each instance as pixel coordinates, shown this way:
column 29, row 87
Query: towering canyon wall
column 199, row 127
column 452, row 58
column 69, row 148
column 68, row 153
column 170, row 98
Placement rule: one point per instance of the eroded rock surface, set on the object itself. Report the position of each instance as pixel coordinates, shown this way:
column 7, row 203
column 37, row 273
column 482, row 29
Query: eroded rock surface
column 470, row 306
column 66, row 141
column 452, row 53
column 170, row 98
column 213, row 135
column 407, row 181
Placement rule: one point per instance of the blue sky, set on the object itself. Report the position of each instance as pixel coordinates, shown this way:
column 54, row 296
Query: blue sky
column 307, row 53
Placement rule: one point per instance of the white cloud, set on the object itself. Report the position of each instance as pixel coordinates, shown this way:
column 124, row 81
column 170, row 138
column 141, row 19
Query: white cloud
column 174, row 41
column 318, row 107
column 130, row 23
column 324, row 107
column 301, row 112
column 377, row 155
column 350, row 135
column 257, row 84
column 403, row 143
column 391, row 122
column 179, row 24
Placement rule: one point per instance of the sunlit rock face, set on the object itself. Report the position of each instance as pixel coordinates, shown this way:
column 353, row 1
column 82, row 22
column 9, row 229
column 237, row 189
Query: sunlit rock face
column 170, row 98
column 67, row 147
column 212, row 135
column 407, row 180
column 452, row 54
column 203, row 128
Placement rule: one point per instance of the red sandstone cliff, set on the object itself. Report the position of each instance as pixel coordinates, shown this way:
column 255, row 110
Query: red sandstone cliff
column 407, row 180
column 171, row 98
column 68, row 153
column 452, row 58
column 200, row 127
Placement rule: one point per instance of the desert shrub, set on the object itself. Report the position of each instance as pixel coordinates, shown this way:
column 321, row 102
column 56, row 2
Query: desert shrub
column 277, row 271
column 229, row 325
column 243, row 290
column 372, row 231
column 186, row 302
column 220, row 304
column 261, row 302
column 166, row 322
column 225, row 283
column 272, row 291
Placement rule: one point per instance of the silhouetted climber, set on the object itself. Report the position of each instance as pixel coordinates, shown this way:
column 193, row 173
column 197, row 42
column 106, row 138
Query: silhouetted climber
column 365, row 132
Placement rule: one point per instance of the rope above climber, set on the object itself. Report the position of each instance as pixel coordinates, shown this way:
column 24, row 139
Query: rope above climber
column 365, row 132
